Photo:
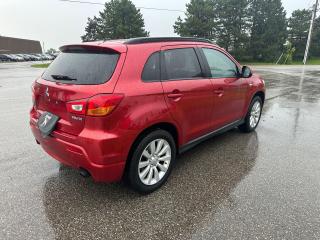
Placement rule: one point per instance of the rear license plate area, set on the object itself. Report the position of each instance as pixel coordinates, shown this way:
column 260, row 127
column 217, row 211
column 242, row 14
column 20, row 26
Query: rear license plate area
column 47, row 123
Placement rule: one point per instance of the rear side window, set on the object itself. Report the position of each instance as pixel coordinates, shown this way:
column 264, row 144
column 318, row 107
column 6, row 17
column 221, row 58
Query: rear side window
column 220, row 65
column 89, row 68
column 151, row 70
column 182, row 63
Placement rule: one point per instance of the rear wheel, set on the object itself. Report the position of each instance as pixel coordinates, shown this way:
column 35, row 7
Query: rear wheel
column 152, row 161
column 253, row 116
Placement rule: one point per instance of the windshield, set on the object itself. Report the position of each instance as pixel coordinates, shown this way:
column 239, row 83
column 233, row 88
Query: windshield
column 88, row 68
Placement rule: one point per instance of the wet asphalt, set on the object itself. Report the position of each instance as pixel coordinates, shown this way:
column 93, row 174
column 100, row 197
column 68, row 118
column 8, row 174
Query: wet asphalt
column 263, row 185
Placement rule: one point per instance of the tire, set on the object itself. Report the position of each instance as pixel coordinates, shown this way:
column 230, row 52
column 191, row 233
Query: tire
column 248, row 125
column 138, row 175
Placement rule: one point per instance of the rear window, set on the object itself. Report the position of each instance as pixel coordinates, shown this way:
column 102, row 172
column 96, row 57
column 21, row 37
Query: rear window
column 88, row 68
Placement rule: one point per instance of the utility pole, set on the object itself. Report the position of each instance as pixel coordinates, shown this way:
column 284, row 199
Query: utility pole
column 314, row 14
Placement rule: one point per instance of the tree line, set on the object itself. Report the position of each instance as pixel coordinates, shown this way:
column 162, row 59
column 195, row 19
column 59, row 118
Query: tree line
column 251, row 30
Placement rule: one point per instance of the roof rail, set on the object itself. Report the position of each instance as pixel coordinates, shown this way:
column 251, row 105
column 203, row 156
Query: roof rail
column 165, row 39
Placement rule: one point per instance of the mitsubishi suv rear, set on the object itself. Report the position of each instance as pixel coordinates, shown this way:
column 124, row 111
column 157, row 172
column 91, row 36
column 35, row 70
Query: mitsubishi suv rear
column 124, row 109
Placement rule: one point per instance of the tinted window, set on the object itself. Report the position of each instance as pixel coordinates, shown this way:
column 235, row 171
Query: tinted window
column 151, row 70
column 182, row 64
column 82, row 67
column 220, row 65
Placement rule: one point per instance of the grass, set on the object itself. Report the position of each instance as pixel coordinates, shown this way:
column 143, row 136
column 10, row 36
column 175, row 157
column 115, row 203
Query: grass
column 41, row 65
column 313, row 61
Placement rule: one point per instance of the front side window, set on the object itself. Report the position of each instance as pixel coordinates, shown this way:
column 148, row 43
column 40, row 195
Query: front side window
column 220, row 65
column 182, row 63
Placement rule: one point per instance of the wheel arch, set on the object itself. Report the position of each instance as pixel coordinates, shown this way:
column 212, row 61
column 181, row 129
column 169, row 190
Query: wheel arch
column 261, row 94
column 167, row 126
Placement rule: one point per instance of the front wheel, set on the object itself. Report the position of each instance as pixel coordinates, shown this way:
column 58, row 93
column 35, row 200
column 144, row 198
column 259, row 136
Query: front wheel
column 253, row 116
column 152, row 161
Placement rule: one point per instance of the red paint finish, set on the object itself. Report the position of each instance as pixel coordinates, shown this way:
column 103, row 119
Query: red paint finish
column 101, row 144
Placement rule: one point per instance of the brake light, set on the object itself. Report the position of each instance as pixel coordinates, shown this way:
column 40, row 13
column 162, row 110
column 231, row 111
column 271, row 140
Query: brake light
column 103, row 104
column 34, row 90
column 99, row 105
column 33, row 94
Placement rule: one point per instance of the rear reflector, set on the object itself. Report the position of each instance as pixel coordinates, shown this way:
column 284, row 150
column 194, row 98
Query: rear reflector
column 77, row 107
column 99, row 105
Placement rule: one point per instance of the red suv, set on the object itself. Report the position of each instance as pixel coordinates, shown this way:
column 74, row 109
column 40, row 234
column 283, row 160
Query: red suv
column 126, row 108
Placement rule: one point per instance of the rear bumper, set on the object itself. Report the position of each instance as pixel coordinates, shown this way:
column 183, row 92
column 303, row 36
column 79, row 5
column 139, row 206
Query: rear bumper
column 65, row 149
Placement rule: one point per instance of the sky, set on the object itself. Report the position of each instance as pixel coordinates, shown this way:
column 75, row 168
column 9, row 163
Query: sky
column 57, row 23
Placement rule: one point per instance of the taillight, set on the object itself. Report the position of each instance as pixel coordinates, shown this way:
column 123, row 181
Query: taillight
column 103, row 104
column 34, row 92
column 99, row 105
column 77, row 107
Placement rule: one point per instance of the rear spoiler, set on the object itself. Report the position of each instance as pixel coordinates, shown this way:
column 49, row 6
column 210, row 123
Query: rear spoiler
column 95, row 47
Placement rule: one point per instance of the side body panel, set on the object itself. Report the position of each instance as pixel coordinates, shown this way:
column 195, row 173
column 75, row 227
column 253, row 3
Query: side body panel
column 144, row 104
column 229, row 92
column 190, row 101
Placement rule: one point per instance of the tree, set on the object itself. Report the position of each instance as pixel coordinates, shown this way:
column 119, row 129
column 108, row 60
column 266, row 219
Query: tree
column 51, row 51
column 200, row 20
column 93, row 30
column 120, row 19
column 269, row 29
column 249, row 29
column 299, row 23
column 223, row 21
column 315, row 41
column 233, row 26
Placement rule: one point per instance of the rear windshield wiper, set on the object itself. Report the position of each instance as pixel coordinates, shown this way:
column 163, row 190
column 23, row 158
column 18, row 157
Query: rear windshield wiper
column 63, row 77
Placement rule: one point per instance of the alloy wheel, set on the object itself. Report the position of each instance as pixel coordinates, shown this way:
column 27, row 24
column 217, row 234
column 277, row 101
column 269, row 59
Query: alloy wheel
column 154, row 161
column 255, row 114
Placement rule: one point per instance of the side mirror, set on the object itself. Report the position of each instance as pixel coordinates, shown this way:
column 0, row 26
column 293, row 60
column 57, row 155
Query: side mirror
column 246, row 72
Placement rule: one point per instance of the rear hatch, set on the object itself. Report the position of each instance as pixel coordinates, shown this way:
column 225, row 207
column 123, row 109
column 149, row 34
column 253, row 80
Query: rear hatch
column 78, row 73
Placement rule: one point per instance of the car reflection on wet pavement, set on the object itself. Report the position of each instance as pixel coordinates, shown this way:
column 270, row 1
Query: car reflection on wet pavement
column 263, row 185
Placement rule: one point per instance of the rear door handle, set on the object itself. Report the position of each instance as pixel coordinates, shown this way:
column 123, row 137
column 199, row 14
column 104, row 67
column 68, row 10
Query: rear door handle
column 219, row 91
column 175, row 95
